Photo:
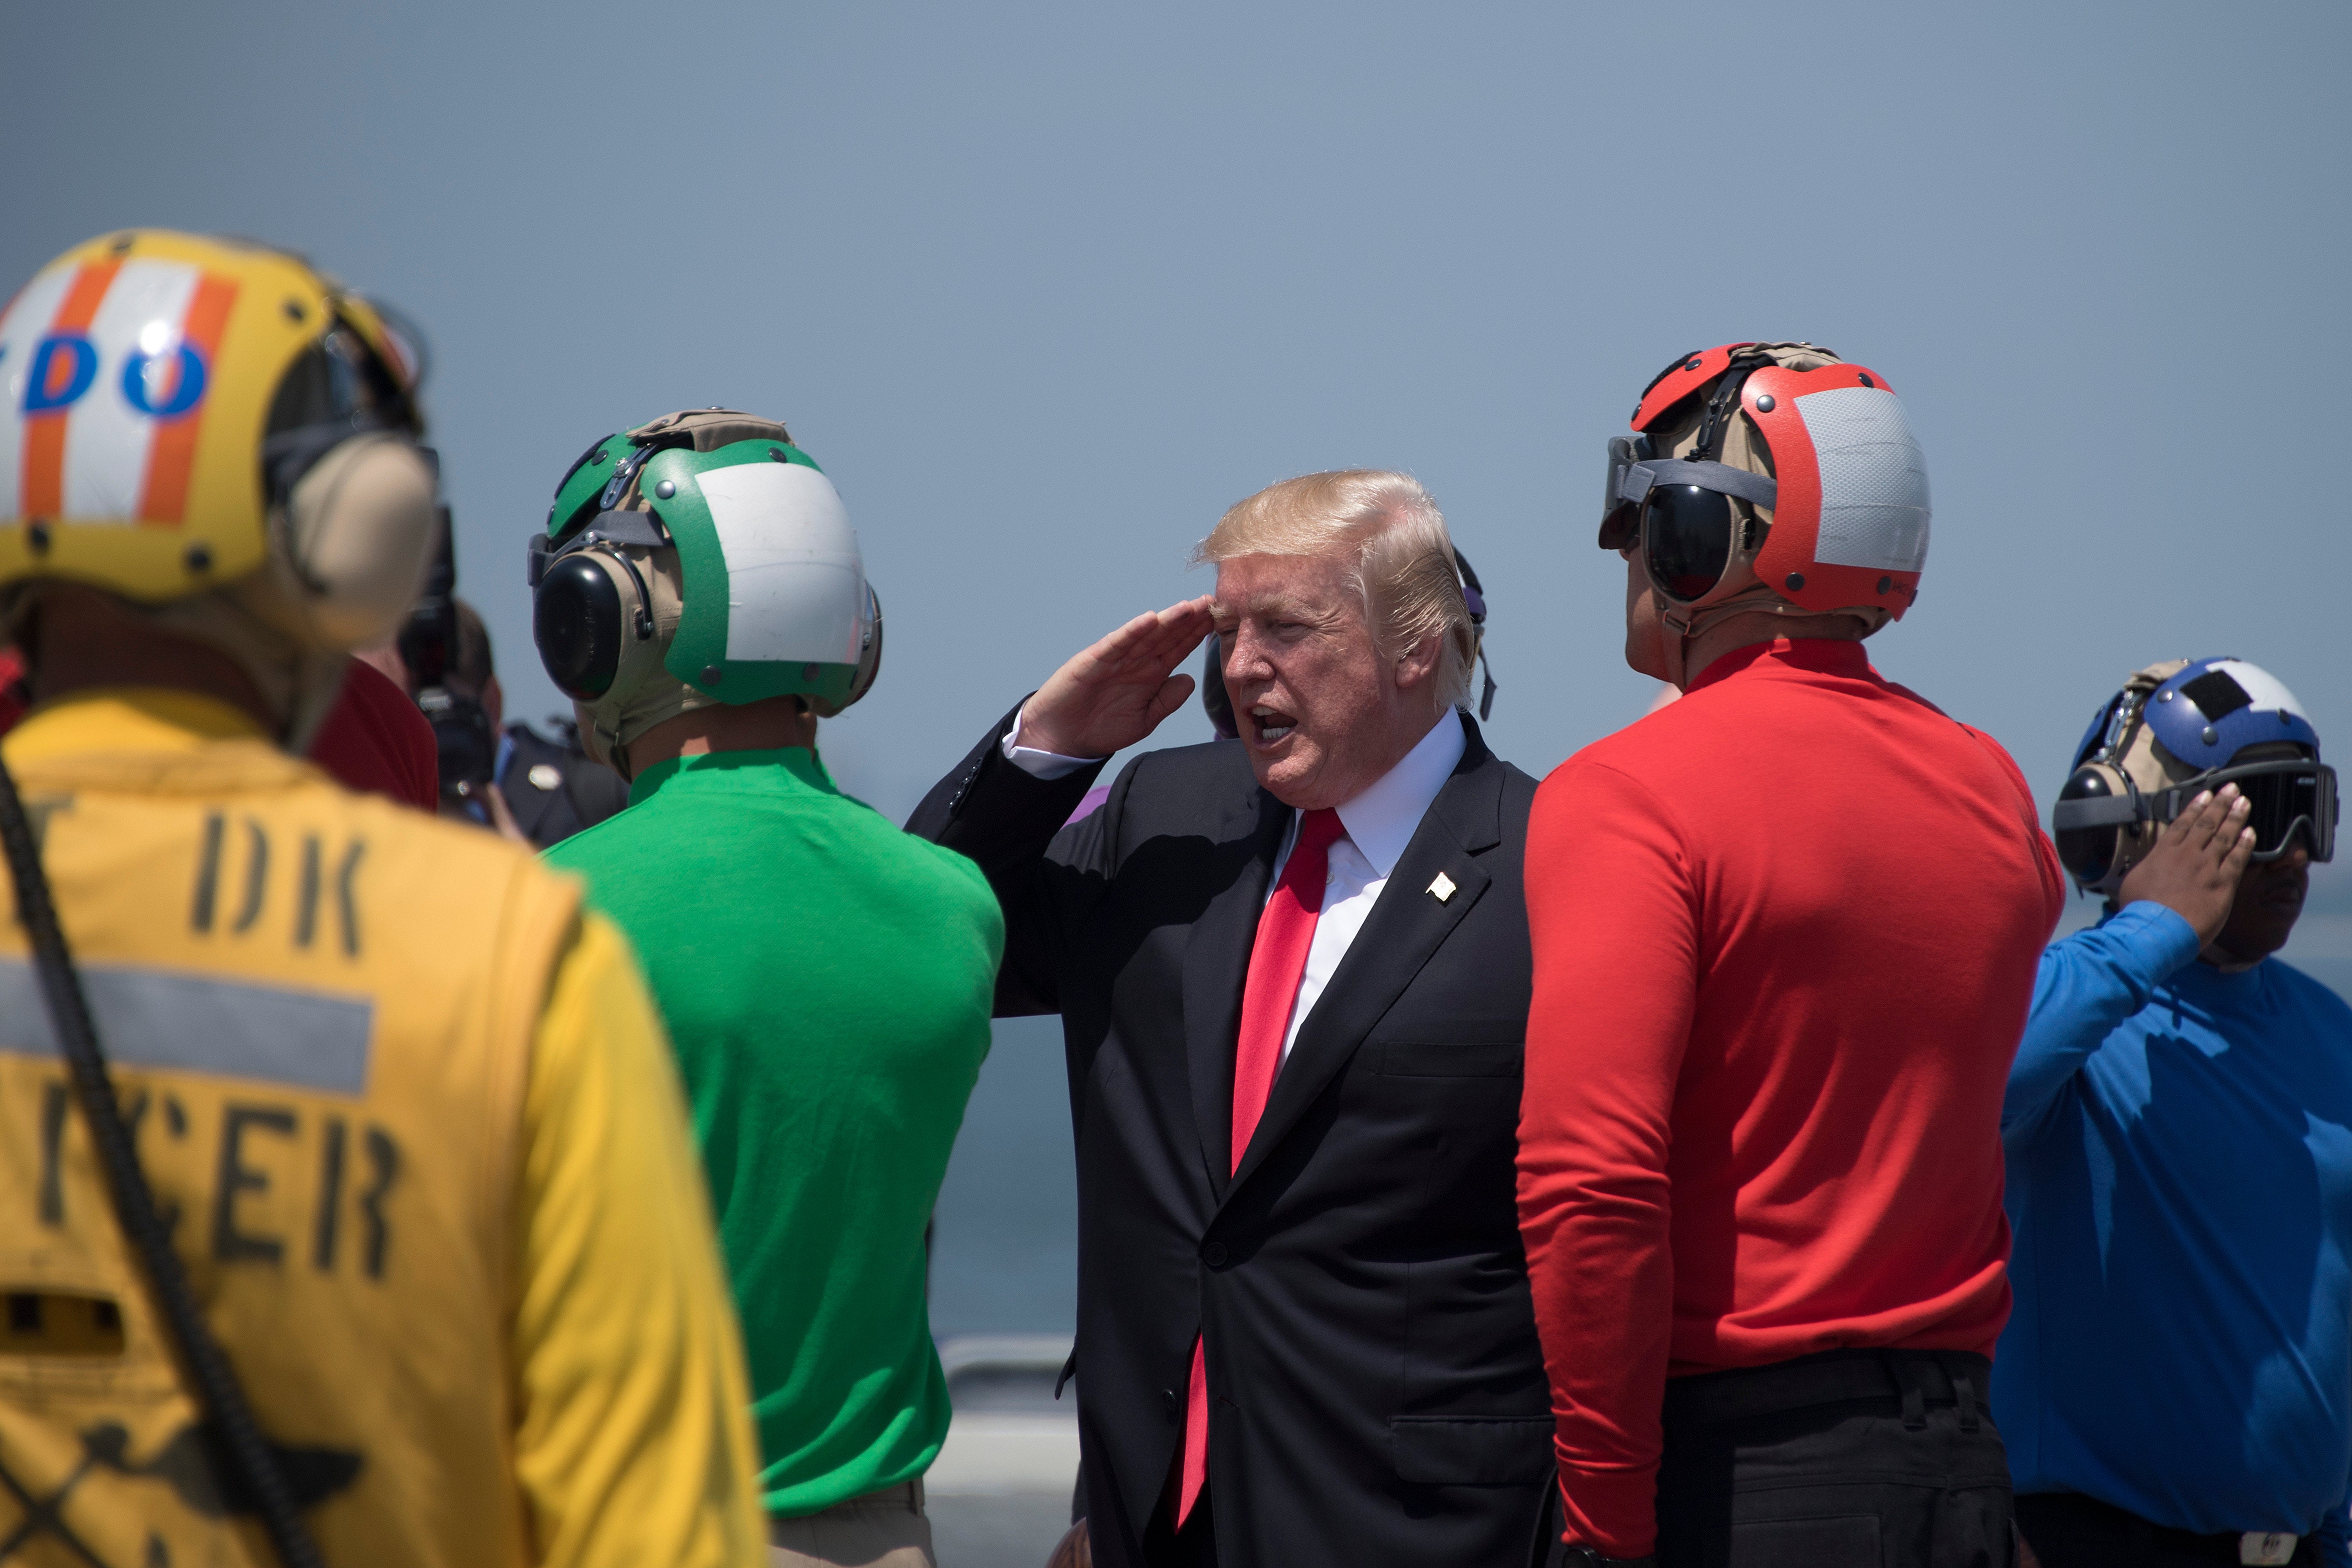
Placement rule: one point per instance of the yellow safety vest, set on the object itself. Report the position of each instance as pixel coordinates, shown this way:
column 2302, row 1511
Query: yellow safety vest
column 319, row 1009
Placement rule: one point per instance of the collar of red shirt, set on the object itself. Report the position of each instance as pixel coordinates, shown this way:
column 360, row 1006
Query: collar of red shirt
column 1822, row 656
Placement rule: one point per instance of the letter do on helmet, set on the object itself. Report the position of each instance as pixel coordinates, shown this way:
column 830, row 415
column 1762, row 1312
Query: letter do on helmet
column 700, row 559
column 181, row 413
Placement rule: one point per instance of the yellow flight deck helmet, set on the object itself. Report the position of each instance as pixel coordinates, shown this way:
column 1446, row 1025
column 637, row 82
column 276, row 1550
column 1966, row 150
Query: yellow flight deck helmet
column 214, row 427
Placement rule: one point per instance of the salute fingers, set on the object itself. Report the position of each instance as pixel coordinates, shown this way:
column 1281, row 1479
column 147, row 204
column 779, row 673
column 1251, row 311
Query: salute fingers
column 2220, row 820
column 2194, row 867
column 1156, row 640
column 2193, row 828
column 2239, row 845
column 1116, row 691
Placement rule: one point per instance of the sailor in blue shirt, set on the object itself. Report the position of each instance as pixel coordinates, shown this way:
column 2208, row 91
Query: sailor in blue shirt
column 2175, row 1384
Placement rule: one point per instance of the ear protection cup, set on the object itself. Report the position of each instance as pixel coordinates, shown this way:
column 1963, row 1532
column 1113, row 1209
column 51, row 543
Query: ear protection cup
column 2102, row 853
column 356, row 539
column 590, row 609
column 1474, row 599
column 575, row 619
column 1214, row 698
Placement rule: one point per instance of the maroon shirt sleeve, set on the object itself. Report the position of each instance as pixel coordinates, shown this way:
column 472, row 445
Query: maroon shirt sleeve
column 14, row 699
column 375, row 741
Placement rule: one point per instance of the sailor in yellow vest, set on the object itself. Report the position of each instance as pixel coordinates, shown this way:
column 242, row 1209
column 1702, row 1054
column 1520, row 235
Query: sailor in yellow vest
column 407, row 1116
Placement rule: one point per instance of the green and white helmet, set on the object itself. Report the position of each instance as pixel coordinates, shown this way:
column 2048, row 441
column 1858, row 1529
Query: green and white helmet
column 698, row 560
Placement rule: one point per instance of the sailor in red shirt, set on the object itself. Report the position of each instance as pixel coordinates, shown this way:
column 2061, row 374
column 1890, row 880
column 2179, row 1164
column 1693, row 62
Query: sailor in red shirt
column 375, row 741
column 1785, row 932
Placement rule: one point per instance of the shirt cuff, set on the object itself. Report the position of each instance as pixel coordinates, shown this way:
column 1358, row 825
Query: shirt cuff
column 2158, row 936
column 1039, row 764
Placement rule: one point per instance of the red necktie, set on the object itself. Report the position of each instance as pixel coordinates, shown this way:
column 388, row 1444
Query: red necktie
column 1278, row 963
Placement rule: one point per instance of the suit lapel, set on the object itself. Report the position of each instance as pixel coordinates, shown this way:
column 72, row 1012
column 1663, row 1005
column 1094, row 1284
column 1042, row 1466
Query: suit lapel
column 1216, row 966
column 1406, row 926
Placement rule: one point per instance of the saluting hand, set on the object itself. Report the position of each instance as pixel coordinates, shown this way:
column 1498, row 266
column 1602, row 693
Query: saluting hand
column 1118, row 691
column 2194, row 869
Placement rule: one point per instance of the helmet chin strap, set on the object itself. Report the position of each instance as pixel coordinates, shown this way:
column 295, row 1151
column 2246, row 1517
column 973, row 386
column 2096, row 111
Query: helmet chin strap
column 1682, row 628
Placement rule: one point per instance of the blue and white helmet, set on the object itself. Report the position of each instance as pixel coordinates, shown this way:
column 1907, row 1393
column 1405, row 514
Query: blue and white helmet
column 2175, row 731
column 2216, row 708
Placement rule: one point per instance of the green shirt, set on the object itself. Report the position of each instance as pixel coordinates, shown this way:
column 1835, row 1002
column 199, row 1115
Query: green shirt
column 827, row 980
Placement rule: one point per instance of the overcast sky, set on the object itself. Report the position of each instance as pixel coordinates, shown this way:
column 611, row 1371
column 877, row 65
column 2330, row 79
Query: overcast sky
column 1045, row 288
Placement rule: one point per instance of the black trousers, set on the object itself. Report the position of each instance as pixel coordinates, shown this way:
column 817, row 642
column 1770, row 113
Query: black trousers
column 1845, row 1460
column 2069, row 1531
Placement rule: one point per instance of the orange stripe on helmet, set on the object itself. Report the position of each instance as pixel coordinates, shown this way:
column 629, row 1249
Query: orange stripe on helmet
column 44, row 466
column 171, row 455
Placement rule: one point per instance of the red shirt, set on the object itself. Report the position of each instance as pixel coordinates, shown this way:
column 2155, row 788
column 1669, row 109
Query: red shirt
column 376, row 740
column 1785, row 934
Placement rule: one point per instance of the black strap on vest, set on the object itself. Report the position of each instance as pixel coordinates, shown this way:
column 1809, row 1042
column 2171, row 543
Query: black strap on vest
column 216, row 1387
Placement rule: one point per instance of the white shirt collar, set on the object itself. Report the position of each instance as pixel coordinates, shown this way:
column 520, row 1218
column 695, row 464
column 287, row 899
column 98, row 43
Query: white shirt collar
column 1381, row 820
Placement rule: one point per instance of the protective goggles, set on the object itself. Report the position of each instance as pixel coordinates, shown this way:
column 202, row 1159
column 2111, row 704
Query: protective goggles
column 2284, row 796
column 1680, row 513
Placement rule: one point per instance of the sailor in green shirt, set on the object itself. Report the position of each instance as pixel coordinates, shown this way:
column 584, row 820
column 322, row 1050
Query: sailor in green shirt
column 825, row 978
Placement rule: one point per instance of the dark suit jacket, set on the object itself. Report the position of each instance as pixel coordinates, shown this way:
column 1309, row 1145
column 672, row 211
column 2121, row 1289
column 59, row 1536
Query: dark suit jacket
column 1377, row 1393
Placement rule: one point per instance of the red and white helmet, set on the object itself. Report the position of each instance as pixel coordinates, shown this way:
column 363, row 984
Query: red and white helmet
column 1775, row 474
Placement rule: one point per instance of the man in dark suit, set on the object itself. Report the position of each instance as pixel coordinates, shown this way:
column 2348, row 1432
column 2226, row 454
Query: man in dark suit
column 1293, row 972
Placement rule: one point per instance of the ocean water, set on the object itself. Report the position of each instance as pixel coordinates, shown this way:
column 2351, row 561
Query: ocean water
column 1004, row 1271
column 1004, row 1252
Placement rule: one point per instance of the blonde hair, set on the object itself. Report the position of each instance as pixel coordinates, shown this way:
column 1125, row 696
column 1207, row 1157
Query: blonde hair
column 1398, row 552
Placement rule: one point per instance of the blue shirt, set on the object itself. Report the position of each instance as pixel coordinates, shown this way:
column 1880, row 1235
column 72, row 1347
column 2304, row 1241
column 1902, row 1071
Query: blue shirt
column 2180, row 1162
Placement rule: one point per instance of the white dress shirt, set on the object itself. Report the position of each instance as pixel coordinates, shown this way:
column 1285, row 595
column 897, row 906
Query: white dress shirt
column 1379, row 823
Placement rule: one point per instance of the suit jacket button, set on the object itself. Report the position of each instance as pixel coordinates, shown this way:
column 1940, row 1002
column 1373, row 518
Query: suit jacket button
column 1215, row 1254
column 1168, row 1397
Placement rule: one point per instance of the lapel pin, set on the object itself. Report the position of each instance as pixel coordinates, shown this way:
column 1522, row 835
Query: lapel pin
column 1440, row 887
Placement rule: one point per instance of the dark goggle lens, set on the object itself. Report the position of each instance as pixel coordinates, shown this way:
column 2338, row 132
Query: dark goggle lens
column 1686, row 539
column 2278, row 802
column 575, row 619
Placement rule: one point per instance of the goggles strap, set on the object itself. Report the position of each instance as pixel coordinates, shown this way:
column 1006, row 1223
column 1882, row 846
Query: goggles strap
column 639, row 528
column 2100, row 811
column 1639, row 479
